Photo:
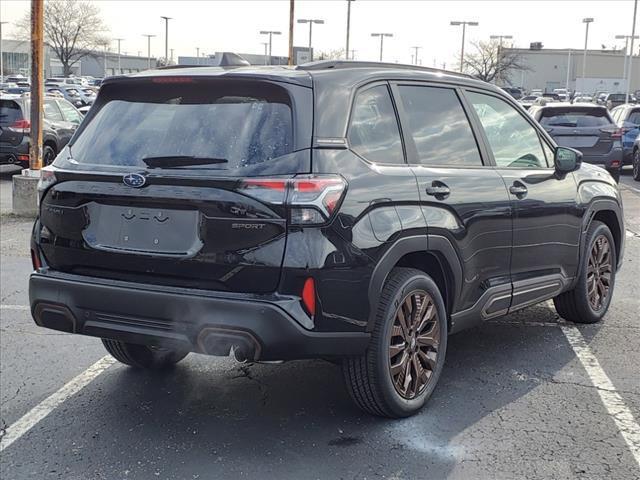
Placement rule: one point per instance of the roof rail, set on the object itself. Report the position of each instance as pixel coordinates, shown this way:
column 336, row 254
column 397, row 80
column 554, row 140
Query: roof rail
column 336, row 64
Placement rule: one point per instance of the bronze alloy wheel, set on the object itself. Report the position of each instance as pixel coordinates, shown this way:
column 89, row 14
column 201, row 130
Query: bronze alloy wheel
column 599, row 273
column 413, row 349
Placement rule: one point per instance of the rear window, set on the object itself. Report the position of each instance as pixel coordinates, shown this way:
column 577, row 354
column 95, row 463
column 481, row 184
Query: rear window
column 244, row 123
column 10, row 112
column 575, row 118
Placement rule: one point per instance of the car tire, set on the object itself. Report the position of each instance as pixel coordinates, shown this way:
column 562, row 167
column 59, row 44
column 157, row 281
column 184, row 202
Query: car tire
column 48, row 155
column 589, row 300
column 386, row 380
column 142, row 356
column 615, row 174
column 635, row 162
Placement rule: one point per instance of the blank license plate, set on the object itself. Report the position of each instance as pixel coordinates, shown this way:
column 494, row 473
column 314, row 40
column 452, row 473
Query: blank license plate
column 143, row 230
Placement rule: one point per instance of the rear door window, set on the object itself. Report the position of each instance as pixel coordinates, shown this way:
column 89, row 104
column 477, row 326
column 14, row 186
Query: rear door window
column 374, row 133
column 70, row 113
column 439, row 126
column 634, row 117
column 242, row 123
column 52, row 112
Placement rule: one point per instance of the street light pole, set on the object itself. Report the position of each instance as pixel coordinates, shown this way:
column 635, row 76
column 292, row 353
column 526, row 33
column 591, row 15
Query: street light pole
column 568, row 71
column 633, row 36
column 499, row 59
column 310, row 21
column 346, row 50
column 271, row 33
column 381, row 35
column 119, row 67
column 266, row 45
column 415, row 55
column 197, row 55
column 464, row 31
column 586, row 21
column 149, row 37
column 1, row 62
column 166, row 39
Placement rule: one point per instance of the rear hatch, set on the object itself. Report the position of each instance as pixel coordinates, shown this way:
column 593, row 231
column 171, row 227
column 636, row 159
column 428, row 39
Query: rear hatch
column 13, row 124
column 180, row 181
column 588, row 129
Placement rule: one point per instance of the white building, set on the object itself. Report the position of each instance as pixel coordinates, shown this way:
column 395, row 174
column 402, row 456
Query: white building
column 557, row 68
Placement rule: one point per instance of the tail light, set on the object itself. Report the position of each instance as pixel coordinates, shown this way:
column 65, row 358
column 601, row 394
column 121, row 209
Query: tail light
column 35, row 260
column 614, row 133
column 47, row 178
column 312, row 200
column 20, row 126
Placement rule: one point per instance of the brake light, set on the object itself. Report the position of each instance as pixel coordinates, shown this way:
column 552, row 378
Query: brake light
column 172, row 80
column 20, row 126
column 312, row 199
column 309, row 296
column 47, row 178
column 35, row 260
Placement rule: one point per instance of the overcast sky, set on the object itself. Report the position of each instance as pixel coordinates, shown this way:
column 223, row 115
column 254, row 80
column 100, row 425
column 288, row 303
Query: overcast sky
column 234, row 25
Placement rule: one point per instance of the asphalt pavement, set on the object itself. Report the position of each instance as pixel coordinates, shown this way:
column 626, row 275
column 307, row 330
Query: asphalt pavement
column 525, row 396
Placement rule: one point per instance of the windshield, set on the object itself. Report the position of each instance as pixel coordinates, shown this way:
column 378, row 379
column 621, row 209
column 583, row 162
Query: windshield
column 594, row 117
column 244, row 125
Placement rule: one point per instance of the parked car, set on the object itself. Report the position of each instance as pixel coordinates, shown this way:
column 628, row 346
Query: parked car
column 17, row 90
column 61, row 120
column 612, row 100
column 601, row 98
column 551, row 96
column 527, row 101
column 16, row 79
column 514, row 92
column 87, row 94
column 562, row 93
column 313, row 213
column 589, row 129
column 582, row 99
column 536, row 91
column 635, row 162
column 627, row 117
column 70, row 93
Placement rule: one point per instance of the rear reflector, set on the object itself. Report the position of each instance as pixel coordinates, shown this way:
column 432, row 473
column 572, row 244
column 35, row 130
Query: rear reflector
column 309, row 296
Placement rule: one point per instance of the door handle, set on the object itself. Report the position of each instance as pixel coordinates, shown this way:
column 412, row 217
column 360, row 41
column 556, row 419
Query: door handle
column 438, row 189
column 518, row 190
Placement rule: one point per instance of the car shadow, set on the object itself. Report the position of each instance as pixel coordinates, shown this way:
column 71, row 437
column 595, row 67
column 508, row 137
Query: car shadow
column 214, row 418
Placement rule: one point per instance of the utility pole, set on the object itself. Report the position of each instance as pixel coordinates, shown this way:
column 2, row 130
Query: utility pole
column 149, row 37
column 381, row 35
column 310, row 21
column 633, row 36
column 37, row 83
column 415, row 55
column 346, row 50
column 1, row 62
column 586, row 21
column 291, row 11
column 464, row 31
column 119, row 67
column 271, row 33
column 166, row 39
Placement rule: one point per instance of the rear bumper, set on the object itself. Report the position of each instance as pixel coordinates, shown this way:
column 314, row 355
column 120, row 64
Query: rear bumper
column 259, row 327
column 606, row 160
column 12, row 153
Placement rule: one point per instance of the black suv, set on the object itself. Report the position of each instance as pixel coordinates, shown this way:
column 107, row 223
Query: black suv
column 61, row 120
column 357, row 212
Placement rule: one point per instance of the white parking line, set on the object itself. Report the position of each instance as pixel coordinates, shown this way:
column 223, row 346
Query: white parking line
column 622, row 416
column 44, row 408
column 14, row 307
column 631, row 188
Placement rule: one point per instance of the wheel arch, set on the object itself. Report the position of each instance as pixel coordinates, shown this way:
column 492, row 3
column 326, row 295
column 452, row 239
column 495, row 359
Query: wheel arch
column 609, row 212
column 439, row 261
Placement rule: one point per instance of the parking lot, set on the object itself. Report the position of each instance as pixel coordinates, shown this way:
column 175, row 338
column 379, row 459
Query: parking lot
column 525, row 396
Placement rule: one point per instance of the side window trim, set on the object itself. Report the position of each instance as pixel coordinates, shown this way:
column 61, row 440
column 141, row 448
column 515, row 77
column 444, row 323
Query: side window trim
column 543, row 136
column 412, row 151
column 354, row 99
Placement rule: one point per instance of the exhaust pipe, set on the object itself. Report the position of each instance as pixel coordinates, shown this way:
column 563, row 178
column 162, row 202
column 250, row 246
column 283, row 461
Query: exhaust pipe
column 221, row 341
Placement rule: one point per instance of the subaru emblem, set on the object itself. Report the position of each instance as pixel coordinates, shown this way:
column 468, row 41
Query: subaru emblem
column 134, row 180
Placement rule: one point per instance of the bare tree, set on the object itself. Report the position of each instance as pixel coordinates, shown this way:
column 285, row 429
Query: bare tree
column 73, row 29
column 488, row 62
column 331, row 54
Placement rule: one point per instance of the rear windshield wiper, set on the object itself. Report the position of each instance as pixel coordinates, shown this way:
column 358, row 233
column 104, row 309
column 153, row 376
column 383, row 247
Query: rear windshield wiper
column 181, row 161
column 563, row 124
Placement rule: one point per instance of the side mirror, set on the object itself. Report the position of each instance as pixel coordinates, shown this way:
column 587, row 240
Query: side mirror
column 567, row 159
